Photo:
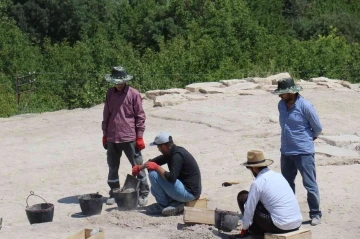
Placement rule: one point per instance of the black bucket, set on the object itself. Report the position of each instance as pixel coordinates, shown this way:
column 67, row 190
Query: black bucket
column 127, row 198
column 39, row 213
column 91, row 204
column 226, row 220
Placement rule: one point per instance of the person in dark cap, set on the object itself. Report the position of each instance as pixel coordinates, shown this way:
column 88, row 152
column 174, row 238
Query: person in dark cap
column 300, row 126
column 123, row 127
column 173, row 188
column 270, row 205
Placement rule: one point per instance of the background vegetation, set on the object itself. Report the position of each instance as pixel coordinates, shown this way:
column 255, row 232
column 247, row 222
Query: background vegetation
column 68, row 46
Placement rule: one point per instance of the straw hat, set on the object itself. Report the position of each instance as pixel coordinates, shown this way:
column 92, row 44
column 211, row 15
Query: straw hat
column 255, row 158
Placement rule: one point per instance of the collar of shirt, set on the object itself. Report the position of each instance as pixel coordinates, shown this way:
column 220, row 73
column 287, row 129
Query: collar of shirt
column 297, row 101
column 297, row 97
column 172, row 150
column 262, row 172
column 125, row 90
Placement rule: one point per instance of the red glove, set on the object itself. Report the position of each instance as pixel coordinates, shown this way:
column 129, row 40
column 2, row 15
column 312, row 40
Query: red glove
column 140, row 144
column 104, row 142
column 244, row 233
column 136, row 170
column 152, row 166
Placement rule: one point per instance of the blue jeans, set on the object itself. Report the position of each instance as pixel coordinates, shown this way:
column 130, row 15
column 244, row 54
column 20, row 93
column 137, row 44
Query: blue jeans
column 164, row 191
column 305, row 163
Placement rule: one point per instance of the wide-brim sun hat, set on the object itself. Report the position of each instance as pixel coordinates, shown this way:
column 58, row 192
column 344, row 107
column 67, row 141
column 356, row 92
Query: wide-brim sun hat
column 256, row 158
column 118, row 75
column 287, row 85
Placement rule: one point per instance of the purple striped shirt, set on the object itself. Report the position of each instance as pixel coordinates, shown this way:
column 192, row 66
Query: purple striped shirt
column 123, row 116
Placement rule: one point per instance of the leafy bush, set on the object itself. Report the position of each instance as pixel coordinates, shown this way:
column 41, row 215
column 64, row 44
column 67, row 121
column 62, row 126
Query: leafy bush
column 71, row 45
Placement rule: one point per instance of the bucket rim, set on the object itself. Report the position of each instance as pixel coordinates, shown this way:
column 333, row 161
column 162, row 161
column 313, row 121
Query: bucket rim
column 97, row 196
column 221, row 211
column 50, row 208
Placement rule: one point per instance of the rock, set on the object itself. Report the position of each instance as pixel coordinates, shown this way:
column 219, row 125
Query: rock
column 334, row 151
column 195, row 97
column 319, row 79
column 308, row 84
column 211, row 90
column 330, row 84
column 274, row 119
column 243, row 86
column 261, row 81
column 269, row 88
column 169, row 99
column 324, row 79
column 340, row 140
column 232, row 82
column 342, row 89
column 275, row 78
column 153, row 93
column 349, row 85
column 197, row 86
column 251, row 92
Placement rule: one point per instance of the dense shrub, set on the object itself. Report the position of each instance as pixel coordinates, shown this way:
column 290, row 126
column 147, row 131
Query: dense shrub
column 68, row 46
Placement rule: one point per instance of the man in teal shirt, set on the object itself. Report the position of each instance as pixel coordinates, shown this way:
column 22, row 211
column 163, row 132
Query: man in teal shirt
column 300, row 126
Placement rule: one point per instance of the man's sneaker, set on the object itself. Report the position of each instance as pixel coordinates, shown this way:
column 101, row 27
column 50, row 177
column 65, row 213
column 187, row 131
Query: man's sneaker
column 143, row 201
column 173, row 209
column 315, row 221
column 110, row 201
column 154, row 209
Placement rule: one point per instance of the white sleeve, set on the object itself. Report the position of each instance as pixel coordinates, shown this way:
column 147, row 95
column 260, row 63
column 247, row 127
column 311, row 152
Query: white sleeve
column 250, row 205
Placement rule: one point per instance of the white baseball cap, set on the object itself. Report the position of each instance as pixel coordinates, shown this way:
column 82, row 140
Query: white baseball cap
column 161, row 138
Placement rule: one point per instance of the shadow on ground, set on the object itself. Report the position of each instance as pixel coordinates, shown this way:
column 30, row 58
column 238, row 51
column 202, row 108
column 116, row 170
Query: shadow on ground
column 69, row 200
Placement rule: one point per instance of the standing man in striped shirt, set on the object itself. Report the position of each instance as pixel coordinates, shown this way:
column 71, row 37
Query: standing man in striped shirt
column 123, row 126
column 300, row 126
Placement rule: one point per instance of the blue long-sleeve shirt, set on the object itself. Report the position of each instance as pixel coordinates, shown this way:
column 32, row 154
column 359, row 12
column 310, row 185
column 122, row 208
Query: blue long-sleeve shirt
column 299, row 125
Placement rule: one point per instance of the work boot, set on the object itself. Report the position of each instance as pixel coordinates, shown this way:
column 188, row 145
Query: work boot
column 143, row 200
column 110, row 201
column 154, row 209
column 173, row 209
column 315, row 221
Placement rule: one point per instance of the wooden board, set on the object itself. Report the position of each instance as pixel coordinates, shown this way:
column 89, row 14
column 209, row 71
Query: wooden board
column 85, row 234
column 199, row 216
column 299, row 234
column 198, row 203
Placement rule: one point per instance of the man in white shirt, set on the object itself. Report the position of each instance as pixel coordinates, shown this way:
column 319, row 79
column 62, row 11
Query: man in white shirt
column 270, row 205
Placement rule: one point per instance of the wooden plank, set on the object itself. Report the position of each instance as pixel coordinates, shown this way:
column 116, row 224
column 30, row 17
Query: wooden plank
column 299, row 234
column 198, row 203
column 199, row 216
column 85, row 234
column 99, row 235
column 78, row 235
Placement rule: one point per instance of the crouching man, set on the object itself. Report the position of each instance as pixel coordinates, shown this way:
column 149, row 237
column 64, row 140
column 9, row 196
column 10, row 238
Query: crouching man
column 174, row 188
column 270, row 205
